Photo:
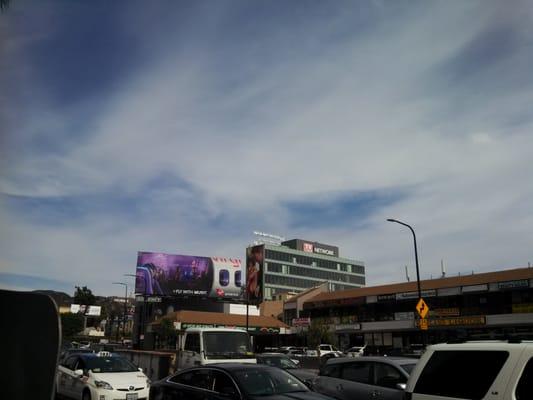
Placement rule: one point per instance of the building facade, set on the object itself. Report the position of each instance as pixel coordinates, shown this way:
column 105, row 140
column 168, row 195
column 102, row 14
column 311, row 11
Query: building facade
column 297, row 265
column 494, row 305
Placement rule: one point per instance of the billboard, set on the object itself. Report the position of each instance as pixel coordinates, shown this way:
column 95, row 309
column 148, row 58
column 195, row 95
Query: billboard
column 160, row 274
column 254, row 274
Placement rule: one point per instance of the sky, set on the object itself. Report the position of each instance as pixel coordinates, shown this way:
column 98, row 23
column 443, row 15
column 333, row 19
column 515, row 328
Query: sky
column 184, row 126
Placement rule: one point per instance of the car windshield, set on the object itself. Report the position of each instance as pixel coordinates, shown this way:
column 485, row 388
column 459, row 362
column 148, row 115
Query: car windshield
column 266, row 382
column 109, row 364
column 280, row 362
column 220, row 345
column 408, row 367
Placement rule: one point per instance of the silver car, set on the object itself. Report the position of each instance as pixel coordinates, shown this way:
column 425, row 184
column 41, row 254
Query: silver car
column 379, row 378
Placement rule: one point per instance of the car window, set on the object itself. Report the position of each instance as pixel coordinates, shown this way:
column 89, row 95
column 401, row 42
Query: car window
column 222, row 383
column 70, row 362
column 387, row 375
column 408, row 367
column 450, row 373
column 324, row 347
column 332, row 370
column 199, row 378
column 81, row 365
column 525, row 384
column 356, row 372
column 192, row 342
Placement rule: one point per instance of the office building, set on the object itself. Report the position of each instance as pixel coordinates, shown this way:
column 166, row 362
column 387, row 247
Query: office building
column 297, row 265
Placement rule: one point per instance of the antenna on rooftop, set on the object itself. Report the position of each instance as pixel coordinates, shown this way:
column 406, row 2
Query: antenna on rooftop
column 407, row 274
column 442, row 269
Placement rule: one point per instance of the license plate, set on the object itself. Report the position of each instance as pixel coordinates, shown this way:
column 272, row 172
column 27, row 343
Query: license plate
column 131, row 396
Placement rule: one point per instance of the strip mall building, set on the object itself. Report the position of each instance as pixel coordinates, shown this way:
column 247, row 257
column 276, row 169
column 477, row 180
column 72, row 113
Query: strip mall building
column 480, row 306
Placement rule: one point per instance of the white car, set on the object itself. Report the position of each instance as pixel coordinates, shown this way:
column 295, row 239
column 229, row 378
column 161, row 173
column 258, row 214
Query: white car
column 101, row 376
column 356, row 351
column 473, row 370
column 324, row 349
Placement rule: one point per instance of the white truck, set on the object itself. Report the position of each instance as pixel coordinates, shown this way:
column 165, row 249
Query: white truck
column 201, row 346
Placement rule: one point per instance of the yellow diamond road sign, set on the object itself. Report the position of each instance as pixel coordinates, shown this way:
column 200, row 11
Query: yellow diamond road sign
column 422, row 308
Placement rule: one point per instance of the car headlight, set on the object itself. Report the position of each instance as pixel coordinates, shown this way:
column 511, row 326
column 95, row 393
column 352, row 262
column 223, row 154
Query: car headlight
column 103, row 385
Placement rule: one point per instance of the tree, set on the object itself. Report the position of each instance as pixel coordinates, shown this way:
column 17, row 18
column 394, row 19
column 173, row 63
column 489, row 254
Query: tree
column 167, row 332
column 71, row 324
column 84, row 295
column 318, row 333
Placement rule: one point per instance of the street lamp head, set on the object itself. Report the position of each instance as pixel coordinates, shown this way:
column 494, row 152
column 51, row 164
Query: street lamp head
column 391, row 220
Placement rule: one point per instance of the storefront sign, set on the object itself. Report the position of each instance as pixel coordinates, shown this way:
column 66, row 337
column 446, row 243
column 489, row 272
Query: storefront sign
column 477, row 320
column 348, row 327
column 301, row 321
column 414, row 295
column 386, row 297
column 475, row 288
column 404, row 316
column 251, row 329
column 445, row 312
column 453, row 291
column 522, row 308
column 522, row 283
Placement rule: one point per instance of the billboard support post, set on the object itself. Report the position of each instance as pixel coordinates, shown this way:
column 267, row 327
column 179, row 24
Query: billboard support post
column 247, row 312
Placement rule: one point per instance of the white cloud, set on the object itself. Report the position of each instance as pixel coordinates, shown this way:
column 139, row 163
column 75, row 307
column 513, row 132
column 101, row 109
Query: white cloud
column 342, row 113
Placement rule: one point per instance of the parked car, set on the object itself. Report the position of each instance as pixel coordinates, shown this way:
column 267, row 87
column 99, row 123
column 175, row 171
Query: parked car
column 474, row 370
column 326, row 349
column 311, row 353
column 69, row 352
column 328, row 356
column 355, row 351
column 232, row 381
column 100, row 376
column 364, row 378
column 284, row 362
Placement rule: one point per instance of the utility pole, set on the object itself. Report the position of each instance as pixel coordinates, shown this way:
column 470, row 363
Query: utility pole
column 125, row 307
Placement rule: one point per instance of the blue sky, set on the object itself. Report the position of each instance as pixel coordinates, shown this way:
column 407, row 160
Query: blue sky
column 184, row 126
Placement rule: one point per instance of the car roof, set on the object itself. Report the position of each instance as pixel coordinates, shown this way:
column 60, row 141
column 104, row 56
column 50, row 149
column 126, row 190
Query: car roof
column 481, row 345
column 234, row 366
column 87, row 356
column 388, row 360
column 271, row 355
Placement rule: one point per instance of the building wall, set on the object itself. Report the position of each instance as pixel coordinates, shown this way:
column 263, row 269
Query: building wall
column 288, row 269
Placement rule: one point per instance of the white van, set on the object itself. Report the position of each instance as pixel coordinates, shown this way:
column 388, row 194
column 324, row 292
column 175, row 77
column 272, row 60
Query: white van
column 494, row 370
column 201, row 346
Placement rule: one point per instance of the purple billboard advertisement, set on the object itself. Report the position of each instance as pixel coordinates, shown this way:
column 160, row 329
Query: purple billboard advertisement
column 168, row 275
column 160, row 274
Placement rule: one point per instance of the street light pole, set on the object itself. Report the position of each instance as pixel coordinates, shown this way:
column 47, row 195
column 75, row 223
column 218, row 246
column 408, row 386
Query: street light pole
column 141, row 319
column 125, row 307
column 416, row 254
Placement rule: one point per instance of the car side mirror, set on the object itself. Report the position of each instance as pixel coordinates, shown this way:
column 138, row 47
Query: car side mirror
column 140, row 369
column 401, row 386
column 78, row 373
